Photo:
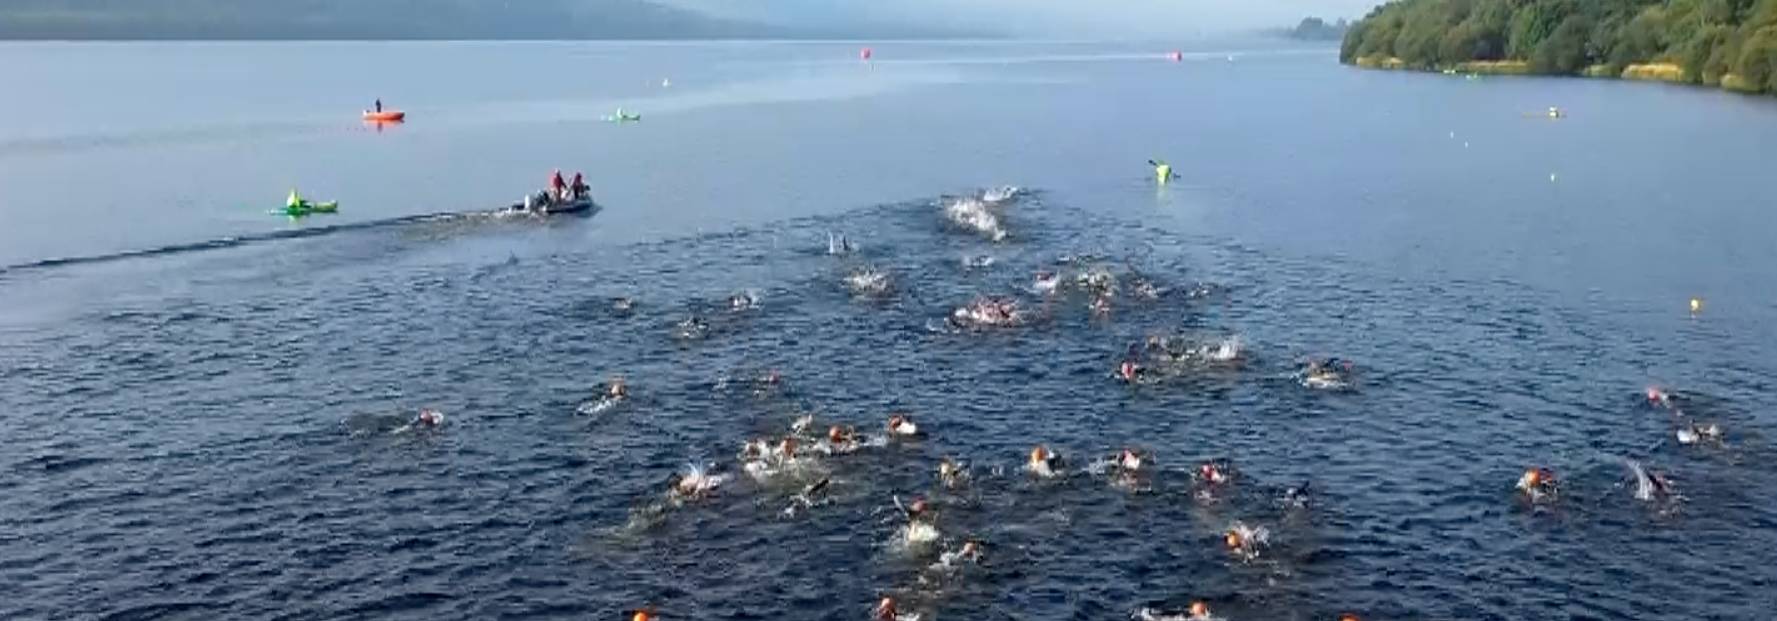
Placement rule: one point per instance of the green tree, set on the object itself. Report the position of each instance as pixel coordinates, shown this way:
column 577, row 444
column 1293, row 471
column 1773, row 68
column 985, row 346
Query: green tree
column 1564, row 51
column 1758, row 60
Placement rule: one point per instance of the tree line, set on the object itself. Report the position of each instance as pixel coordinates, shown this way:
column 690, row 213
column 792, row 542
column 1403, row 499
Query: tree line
column 1731, row 43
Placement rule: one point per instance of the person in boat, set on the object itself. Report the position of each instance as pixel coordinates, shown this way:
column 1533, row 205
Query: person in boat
column 578, row 189
column 379, row 106
column 557, row 187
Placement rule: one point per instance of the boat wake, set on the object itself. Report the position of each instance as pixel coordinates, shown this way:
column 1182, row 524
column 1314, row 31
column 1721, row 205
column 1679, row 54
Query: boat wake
column 236, row 241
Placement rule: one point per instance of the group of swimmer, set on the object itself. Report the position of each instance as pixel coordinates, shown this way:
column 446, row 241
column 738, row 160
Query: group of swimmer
column 1539, row 486
column 797, row 465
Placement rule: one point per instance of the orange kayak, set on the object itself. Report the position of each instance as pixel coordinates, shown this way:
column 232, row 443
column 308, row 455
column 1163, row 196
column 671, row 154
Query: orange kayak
column 386, row 115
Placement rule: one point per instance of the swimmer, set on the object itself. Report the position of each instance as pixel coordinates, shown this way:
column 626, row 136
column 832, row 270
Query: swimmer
column 1129, row 461
column 1214, row 473
column 755, row 449
column 764, row 385
column 868, row 281
column 1130, row 372
column 901, row 426
column 1327, row 374
column 1650, row 484
column 613, row 393
column 951, row 474
column 802, row 424
column 970, row 552
column 1097, row 279
column 694, row 484
column 429, row 418
column 1100, row 305
column 1145, row 289
column 979, row 261
column 1043, row 463
column 1348, row 617
column 743, row 301
column 786, row 450
column 1692, row 433
column 1245, row 542
column 839, row 244
column 1046, row 283
column 922, row 527
column 622, row 304
column 887, row 611
column 841, row 441
column 1295, row 497
column 691, row 328
column 1658, row 398
column 426, row 419
column 807, row 498
column 1538, row 484
column 1199, row 612
column 641, row 615
column 916, row 510
column 1128, row 471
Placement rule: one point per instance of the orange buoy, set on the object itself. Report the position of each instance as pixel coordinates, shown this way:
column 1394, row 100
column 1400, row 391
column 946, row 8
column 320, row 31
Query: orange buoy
column 385, row 116
column 865, row 54
column 1176, row 56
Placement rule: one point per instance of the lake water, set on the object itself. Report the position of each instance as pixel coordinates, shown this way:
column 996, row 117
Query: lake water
column 197, row 397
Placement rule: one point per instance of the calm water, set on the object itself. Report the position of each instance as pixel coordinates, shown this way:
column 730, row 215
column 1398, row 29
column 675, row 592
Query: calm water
column 186, row 383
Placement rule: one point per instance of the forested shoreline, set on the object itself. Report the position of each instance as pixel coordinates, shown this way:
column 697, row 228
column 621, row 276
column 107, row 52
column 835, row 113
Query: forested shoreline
column 1727, row 43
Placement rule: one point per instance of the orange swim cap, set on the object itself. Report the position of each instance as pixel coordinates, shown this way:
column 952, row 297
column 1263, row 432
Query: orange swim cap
column 835, row 434
column 1199, row 609
column 1039, row 454
column 1233, row 539
column 641, row 615
column 1348, row 617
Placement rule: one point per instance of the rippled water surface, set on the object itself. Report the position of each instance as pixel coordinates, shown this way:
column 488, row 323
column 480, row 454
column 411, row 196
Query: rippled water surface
column 199, row 401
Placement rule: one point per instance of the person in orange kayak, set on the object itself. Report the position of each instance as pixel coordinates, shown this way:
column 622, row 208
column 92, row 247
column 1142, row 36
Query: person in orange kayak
column 557, row 187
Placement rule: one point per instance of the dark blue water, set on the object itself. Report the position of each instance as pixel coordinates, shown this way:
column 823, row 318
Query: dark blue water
column 196, row 407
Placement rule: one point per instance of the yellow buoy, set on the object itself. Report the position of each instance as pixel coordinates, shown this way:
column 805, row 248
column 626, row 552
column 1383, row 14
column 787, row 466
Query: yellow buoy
column 1696, row 305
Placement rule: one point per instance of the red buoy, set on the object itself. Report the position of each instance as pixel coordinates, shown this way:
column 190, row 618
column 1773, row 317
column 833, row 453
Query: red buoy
column 865, row 54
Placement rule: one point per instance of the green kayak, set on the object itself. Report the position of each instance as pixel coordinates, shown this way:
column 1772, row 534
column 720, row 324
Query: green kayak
column 306, row 208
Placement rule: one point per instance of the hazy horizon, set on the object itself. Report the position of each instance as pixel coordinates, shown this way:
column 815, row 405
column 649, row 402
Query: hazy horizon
column 654, row 19
column 1037, row 18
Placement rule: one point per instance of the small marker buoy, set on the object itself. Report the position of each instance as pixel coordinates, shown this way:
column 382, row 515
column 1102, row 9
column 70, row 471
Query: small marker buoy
column 1551, row 177
column 865, row 54
column 666, row 83
column 1176, row 56
column 1696, row 305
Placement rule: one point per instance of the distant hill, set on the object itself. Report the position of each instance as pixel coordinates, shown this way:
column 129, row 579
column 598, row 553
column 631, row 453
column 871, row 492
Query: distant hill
column 366, row 19
column 1727, row 43
column 1317, row 29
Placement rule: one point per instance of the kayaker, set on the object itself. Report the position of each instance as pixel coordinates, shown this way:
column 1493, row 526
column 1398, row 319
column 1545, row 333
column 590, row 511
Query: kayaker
column 557, row 187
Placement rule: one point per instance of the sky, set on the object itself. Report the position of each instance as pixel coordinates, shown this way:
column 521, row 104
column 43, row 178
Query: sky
column 1040, row 18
